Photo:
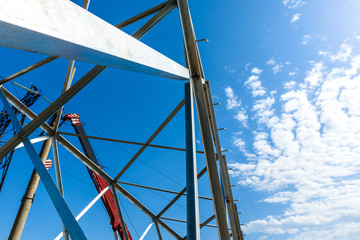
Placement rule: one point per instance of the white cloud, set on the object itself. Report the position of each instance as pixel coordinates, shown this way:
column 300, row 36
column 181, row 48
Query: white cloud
column 295, row 17
column 277, row 67
column 254, row 84
column 293, row 4
column 263, row 109
column 305, row 153
column 315, row 76
column 232, row 100
column 290, row 85
column 256, row 71
column 306, row 39
column 242, row 117
column 271, row 61
column 343, row 54
column 240, row 143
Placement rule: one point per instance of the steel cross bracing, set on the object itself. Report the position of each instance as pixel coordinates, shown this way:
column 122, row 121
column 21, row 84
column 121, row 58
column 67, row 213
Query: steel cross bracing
column 159, row 66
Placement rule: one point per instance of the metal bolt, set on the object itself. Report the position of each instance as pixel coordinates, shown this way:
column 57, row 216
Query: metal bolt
column 204, row 39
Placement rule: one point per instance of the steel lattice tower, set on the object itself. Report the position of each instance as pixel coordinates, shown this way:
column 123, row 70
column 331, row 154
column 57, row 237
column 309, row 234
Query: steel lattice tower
column 78, row 35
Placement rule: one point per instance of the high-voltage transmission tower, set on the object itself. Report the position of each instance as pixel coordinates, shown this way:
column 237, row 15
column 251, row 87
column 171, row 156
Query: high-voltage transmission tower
column 5, row 121
column 62, row 29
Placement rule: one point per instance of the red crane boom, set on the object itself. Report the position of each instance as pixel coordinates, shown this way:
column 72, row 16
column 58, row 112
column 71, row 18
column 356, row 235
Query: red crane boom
column 100, row 184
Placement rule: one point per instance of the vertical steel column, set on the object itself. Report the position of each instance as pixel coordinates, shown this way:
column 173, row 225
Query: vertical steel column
column 116, row 235
column 58, row 176
column 122, row 223
column 192, row 202
column 158, row 230
column 229, row 201
column 232, row 205
column 62, row 208
column 203, row 116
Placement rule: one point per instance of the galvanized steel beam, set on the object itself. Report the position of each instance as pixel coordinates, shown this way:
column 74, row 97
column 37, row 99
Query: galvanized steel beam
column 196, row 73
column 120, row 25
column 62, row 28
column 229, row 201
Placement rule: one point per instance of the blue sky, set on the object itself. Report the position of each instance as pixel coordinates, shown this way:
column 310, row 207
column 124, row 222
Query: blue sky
column 286, row 73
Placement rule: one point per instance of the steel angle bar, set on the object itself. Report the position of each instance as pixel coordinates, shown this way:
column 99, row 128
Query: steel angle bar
column 181, row 193
column 184, row 221
column 203, row 118
column 152, row 137
column 59, row 182
column 58, row 201
column 68, row 80
column 79, row 35
column 207, row 221
column 28, row 196
column 157, row 189
column 142, row 15
column 124, row 141
column 122, row 223
column 229, row 201
column 154, row 20
column 158, row 230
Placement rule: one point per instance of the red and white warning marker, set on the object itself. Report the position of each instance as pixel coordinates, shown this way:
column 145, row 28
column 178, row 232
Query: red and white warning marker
column 48, row 164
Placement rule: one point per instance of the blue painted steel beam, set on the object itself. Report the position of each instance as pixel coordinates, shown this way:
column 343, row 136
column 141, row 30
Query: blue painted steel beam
column 192, row 204
column 60, row 205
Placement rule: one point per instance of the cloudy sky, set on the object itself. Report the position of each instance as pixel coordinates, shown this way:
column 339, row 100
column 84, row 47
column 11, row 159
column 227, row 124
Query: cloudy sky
column 287, row 75
column 295, row 133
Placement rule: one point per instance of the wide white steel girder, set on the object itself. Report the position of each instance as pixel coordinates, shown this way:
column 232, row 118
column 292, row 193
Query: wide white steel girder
column 62, row 28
